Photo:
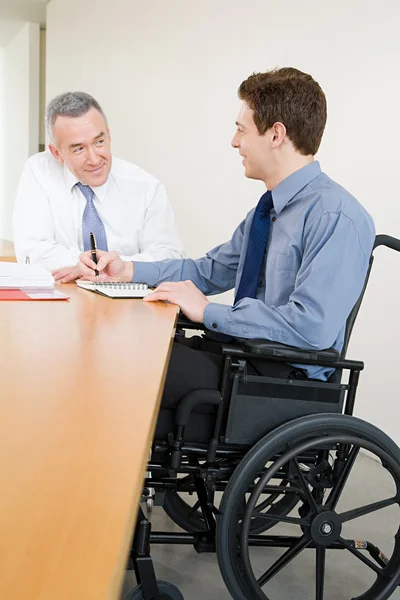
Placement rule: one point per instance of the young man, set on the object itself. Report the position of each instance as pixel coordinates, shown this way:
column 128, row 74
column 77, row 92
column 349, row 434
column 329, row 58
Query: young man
column 77, row 187
column 297, row 262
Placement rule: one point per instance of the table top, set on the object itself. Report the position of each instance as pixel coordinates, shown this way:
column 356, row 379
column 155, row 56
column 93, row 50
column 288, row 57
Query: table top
column 81, row 383
column 7, row 252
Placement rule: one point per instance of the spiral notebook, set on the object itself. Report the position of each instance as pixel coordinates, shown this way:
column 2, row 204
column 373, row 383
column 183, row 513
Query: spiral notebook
column 117, row 289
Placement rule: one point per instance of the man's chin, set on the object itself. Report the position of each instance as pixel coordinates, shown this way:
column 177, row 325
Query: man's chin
column 249, row 174
column 97, row 179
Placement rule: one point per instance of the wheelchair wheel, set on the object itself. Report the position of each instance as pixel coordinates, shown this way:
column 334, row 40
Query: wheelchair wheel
column 182, row 513
column 167, row 590
column 190, row 518
column 320, row 454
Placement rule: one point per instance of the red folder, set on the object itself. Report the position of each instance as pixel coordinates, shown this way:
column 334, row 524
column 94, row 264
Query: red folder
column 33, row 294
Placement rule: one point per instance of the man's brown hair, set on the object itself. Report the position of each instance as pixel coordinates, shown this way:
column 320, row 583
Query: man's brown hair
column 291, row 97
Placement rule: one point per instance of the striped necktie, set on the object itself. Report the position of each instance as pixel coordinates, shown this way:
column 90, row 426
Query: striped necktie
column 257, row 243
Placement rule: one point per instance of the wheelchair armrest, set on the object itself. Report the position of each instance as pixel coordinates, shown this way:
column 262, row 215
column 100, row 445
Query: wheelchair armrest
column 185, row 323
column 268, row 349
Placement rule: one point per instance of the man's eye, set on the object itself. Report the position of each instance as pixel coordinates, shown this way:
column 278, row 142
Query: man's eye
column 100, row 142
column 78, row 150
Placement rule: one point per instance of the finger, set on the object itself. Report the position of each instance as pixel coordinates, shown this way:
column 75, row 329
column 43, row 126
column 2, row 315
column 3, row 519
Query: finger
column 106, row 258
column 59, row 274
column 86, row 260
column 97, row 278
column 156, row 295
column 85, row 272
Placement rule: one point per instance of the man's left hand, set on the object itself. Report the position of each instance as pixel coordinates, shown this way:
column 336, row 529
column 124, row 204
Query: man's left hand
column 67, row 274
column 183, row 293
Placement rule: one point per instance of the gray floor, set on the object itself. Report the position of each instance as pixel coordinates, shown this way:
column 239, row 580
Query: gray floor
column 198, row 576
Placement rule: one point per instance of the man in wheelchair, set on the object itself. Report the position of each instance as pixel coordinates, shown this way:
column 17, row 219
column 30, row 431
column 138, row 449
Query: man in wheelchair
column 258, row 397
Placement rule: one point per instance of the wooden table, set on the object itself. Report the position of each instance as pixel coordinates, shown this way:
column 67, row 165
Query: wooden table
column 7, row 252
column 81, row 383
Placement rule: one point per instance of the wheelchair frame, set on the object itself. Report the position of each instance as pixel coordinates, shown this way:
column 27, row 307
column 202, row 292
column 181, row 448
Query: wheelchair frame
column 206, row 469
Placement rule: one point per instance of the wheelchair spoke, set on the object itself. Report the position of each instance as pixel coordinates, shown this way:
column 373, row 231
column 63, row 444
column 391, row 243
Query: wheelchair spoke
column 369, row 508
column 196, row 506
column 268, row 502
column 285, row 559
column 320, row 572
column 361, row 557
column 281, row 519
column 336, row 492
column 304, row 485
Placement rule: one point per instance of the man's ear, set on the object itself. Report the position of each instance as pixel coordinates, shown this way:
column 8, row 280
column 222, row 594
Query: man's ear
column 56, row 153
column 279, row 134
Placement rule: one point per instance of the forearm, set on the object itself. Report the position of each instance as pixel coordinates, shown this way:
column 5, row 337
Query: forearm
column 209, row 277
column 155, row 254
column 288, row 324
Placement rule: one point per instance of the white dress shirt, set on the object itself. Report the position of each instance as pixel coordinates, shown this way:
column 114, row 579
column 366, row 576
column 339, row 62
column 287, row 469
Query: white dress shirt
column 132, row 204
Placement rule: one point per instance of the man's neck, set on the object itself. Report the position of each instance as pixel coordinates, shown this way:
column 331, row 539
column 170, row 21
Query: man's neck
column 272, row 180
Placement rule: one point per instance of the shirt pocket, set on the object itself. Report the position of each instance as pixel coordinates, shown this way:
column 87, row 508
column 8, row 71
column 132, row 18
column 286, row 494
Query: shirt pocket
column 281, row 276
column 282, row 262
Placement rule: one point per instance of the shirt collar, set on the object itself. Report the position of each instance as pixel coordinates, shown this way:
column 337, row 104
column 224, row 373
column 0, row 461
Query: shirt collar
column 71, row 180
column 289, row 187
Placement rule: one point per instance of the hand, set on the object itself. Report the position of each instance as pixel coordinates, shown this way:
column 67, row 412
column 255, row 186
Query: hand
column 185, row 294
column 66, row 274
column 110, row 266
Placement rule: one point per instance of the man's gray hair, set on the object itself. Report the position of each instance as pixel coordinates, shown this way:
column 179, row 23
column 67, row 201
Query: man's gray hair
column 69, row 104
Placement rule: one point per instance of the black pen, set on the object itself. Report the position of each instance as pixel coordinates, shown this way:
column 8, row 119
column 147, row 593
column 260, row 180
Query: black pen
column 93, row 251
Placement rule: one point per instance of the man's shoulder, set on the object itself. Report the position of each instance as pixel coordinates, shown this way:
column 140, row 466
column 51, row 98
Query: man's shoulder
column 330, row 196
column 43, row 163
column 125, row 170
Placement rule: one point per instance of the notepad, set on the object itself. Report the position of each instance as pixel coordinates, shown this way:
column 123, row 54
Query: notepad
column 15, row 275
column 117, row 289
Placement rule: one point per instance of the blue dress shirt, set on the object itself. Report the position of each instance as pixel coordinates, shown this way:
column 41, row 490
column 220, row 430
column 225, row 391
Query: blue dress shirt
column 317, row 256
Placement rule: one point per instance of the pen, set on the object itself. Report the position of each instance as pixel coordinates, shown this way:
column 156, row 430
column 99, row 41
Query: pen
column 93, row 251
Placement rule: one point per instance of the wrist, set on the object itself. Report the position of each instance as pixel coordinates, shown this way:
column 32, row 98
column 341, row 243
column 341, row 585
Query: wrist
column 127, row 274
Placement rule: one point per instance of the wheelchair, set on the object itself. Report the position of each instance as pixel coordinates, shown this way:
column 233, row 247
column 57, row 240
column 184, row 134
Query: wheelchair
column 280, row 451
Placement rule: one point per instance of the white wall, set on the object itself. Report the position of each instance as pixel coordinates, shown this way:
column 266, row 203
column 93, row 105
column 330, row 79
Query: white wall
column 167, row 73
column 19, row 115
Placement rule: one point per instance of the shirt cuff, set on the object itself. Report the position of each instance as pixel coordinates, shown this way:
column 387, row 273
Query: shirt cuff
column 215, row 317
column 144, row 272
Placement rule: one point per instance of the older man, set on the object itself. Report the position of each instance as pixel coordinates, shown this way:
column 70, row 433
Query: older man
column 78, row 187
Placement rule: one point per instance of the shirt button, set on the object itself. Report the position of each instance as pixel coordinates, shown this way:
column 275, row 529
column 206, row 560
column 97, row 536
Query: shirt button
column 273, row 219
column 215, row 325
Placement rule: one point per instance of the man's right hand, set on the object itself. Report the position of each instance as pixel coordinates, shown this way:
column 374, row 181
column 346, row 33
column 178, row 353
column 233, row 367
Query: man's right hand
column 110, row 266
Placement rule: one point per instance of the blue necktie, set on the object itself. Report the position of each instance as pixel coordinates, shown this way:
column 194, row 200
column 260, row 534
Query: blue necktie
column 91, row 222
column 255, row 249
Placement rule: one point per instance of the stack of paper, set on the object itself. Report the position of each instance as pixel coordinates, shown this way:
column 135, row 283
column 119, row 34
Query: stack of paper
column 15, row 275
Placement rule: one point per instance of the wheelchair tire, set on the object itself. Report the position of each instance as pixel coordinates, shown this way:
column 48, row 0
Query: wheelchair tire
column 182, row 513
column 167, row 590
column 233, row 526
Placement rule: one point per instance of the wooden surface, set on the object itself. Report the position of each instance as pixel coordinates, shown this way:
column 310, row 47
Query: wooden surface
column 80, row 388
column 7, row 252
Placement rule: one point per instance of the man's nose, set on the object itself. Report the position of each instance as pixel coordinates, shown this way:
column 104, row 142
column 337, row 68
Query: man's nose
column 92, row 156
column 234, row 142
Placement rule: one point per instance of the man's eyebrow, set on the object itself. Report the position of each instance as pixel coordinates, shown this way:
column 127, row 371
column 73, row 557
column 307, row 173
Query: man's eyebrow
column 97, row 137
column 101, row 134
column 239, row 124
